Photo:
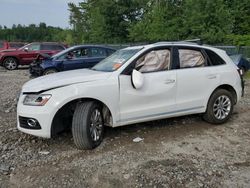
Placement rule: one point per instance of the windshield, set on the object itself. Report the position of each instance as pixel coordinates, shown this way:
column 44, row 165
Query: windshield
column 116, row 60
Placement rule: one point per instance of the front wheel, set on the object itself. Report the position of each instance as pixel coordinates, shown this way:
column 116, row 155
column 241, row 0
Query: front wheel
column 49, row 71
column 220, row 107
column 87, row 125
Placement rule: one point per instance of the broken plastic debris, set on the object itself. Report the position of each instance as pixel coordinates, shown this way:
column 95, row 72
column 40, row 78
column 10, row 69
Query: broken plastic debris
column 138, row 139
column 44, row 152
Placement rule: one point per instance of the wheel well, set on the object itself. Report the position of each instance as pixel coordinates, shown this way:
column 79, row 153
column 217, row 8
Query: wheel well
column 230, row 89
column 51, row 68
column 11, row 57
column 63, row 118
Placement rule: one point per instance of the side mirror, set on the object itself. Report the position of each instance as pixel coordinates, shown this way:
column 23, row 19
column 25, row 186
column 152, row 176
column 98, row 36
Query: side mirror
column 26, row 49
column 137, row 79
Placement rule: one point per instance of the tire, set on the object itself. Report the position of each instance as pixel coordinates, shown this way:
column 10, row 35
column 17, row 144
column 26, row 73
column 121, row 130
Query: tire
column 87, row 133
column 10, row 63
column 220, row 107
column 49, row 71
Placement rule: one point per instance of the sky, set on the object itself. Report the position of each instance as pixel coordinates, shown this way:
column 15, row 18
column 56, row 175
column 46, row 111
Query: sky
column 25, row 12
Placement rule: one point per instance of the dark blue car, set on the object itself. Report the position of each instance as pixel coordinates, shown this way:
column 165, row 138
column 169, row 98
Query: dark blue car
column 76, row 57
column 241, row 62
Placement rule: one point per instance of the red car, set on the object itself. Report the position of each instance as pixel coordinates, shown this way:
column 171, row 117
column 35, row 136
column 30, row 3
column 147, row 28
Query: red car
column 25, row 55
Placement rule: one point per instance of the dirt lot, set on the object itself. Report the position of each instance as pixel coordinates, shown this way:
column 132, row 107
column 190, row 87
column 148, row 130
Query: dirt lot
column 177, row 152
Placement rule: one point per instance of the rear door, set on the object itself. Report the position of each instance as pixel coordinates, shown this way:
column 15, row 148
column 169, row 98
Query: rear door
column 96, row 55
column 196, row 79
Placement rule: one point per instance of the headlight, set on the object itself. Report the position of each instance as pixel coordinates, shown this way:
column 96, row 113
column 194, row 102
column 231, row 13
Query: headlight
column 36, row 100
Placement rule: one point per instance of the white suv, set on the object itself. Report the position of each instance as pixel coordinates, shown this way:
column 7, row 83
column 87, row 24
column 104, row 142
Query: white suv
column 135, row 84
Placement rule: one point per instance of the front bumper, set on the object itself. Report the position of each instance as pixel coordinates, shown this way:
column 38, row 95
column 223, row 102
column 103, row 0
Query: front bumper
column 42, row 114
column 35, row 69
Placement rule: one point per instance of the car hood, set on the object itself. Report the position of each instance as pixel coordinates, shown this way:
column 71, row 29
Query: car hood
column 63, row 79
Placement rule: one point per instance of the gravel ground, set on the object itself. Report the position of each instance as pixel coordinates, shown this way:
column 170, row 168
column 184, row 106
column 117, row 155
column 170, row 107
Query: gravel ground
column 176, row 152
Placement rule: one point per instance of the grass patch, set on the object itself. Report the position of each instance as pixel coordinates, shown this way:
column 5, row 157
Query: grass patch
column 247, row 76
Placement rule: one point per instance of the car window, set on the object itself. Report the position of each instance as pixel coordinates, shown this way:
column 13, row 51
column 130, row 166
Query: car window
column 156, row 60
column 51, row 47
column 110, row 51
column 75, row 54
column 59, row 47
column 98, row 52
column 33, row 47
column 191, row 58
column 214, row 58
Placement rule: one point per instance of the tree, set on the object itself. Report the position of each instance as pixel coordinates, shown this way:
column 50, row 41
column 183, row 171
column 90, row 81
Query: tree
column 208, row 20
column 104, row 21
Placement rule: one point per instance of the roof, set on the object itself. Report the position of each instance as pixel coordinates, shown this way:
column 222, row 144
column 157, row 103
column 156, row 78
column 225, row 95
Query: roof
column 175, row 43
column 92, row 45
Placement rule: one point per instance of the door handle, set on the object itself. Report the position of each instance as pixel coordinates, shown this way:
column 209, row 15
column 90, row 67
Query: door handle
column 211, row 76
column 169, row 81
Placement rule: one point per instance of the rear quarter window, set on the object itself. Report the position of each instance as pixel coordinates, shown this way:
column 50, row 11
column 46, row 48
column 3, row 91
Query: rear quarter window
column 214, row 58
column 98, row 52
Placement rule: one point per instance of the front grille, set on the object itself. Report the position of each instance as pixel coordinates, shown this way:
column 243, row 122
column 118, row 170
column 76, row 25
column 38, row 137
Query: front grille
column 23, row 121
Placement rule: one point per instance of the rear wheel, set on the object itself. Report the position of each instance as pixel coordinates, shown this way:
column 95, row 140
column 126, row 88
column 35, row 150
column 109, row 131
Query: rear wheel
column 49, row 71
column 10, row 63
column 220, row 107
column 87, row 125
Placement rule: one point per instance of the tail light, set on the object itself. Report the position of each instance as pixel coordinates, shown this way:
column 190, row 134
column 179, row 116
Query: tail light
column 242, row 81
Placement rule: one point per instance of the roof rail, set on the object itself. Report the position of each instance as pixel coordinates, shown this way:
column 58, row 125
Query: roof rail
column 197, row 41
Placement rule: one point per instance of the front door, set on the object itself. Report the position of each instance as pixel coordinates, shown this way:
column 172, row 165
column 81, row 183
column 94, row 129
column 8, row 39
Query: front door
column 157, row 96
column 76, row 59
column 29, row 53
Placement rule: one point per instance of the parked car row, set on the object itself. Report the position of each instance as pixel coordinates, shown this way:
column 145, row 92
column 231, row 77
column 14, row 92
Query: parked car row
column 44, row 58
column 77, row 57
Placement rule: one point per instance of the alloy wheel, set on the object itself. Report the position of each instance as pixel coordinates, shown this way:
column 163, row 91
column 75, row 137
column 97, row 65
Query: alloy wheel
column 222, row 107
column 96, row 125
column 10, row 64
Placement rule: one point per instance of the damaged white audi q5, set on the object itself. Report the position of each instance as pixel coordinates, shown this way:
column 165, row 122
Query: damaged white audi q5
column 135, row 84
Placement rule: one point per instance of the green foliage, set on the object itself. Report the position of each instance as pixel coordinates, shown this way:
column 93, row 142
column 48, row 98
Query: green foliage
column 123, row 21
column 247, row 75
column 162, row 20
column 105, row 21
column 208, row 20
column 237, row 40
column 33, row 32
column 112, row 21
